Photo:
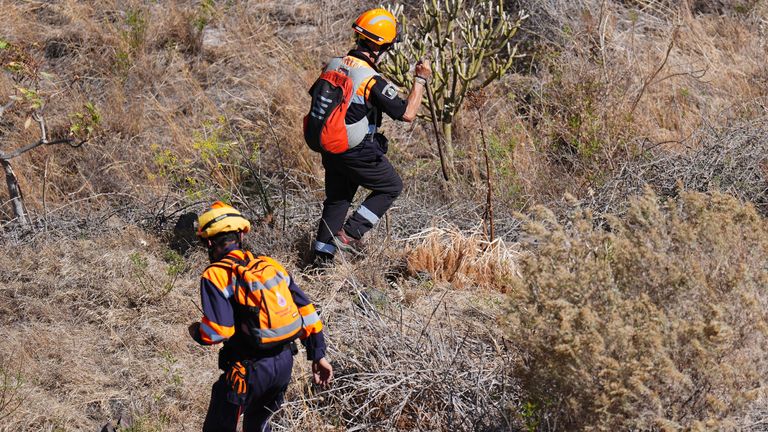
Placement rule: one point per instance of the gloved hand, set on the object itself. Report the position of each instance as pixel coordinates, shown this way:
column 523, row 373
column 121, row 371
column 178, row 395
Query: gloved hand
column 237, row 379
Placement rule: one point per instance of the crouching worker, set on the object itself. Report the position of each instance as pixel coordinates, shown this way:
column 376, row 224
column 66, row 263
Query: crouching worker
column 252, row 305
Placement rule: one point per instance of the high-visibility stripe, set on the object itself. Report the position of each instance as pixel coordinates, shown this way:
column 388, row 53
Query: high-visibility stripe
column 306, row 310
column 325, row 247
column 281, row 331
column 312, row 323
column 229, row 291
column 311, row 329
column 211, row 332
column 267, row 284
column 376, row 19
column 218, row 277
column 311, row 319
column 368, row 215
column 208, row 335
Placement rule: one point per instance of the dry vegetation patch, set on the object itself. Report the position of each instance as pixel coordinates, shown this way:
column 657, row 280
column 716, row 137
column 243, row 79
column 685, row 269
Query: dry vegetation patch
column 657, row 322
column 93, row 329
column 435, row 362
column 731, row 157
column 465, row 259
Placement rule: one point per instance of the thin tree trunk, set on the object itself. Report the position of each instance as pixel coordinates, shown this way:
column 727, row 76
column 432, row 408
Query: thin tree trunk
column 14, row 191
column 449, row 152
column 433, row 113
column 489, row 180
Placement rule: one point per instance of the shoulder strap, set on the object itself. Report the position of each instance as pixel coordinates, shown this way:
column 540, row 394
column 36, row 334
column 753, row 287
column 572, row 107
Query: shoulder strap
column 333, row 64
column 230, row 262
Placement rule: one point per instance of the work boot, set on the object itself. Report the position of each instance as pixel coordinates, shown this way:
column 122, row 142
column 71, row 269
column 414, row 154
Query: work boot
column 347, row 243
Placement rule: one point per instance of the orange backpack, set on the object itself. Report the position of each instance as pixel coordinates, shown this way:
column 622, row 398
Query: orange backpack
column 265, row 310
column 324, row 126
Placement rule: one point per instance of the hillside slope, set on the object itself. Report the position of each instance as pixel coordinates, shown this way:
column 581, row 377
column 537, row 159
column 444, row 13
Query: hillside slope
column 436, row 328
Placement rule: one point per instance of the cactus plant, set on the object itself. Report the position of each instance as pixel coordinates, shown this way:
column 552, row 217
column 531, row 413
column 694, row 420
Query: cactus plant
column 470, row 45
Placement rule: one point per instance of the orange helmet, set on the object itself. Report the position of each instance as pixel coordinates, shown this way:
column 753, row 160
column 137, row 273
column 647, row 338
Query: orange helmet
column 378, row 26
column 221, row 218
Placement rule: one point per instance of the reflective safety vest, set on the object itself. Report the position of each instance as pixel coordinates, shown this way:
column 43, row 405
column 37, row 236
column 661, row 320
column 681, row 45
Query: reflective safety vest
column 264, row 307
column 360, row 72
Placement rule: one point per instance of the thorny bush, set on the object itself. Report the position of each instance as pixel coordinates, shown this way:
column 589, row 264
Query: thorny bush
column 655, row 322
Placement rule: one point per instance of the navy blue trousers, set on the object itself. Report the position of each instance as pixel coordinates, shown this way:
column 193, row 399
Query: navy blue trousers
column 366, row 166
column 268, row 379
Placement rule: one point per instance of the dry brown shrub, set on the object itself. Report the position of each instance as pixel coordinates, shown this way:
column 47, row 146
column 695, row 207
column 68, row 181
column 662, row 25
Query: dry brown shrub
column 657, row 323
column 462, row 259
column 436, row 364
column 731, row 158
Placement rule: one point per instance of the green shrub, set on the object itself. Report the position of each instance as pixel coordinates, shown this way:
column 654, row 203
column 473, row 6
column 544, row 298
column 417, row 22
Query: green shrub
column 658, row 321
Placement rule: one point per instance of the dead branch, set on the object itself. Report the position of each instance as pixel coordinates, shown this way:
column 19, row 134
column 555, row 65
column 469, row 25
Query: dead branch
column 650, row 79
column 11, row 180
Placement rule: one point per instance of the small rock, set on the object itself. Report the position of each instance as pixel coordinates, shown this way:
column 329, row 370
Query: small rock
column 213, row 39
column 114, row 223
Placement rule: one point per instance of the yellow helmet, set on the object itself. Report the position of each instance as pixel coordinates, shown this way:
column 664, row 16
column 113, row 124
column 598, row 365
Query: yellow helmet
column 378, row 26
column 221, row 218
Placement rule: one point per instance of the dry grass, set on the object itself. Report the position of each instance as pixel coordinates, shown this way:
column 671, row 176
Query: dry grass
column 464, row 259
column 731, row 158
column 613, row 79
column 102, row 335
column 96, row 332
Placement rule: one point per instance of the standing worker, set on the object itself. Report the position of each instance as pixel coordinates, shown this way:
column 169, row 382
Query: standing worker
column 252, row 305
column 361, row 161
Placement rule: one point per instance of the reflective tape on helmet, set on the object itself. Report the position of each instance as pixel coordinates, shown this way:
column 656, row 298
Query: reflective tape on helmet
column 219, row 218
column 368, row 215
column 379, row 18
column 366, row 33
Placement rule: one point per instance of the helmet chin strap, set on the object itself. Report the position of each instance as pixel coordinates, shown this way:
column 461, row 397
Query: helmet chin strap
column 375, row 56
column 382, row 50
column 212, row 254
